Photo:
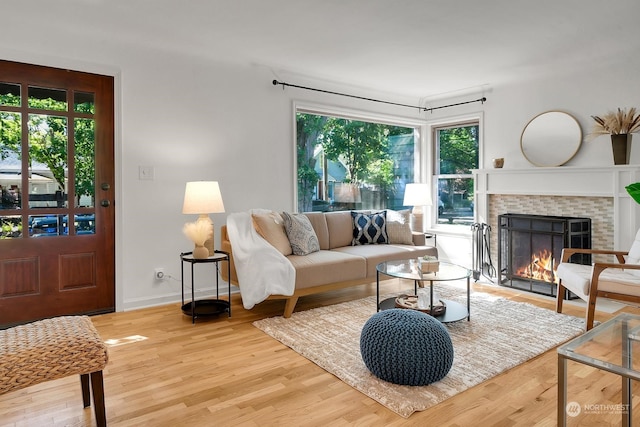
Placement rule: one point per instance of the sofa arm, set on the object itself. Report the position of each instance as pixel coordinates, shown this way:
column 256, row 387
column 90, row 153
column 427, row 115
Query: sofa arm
column 225, row 245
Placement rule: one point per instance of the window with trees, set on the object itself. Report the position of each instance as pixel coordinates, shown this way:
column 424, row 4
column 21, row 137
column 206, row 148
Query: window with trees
column 346, row 163
column 456, row 154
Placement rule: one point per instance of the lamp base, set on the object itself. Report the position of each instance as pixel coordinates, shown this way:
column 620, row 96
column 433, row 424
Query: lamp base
column 417, row 219
column 209, row 243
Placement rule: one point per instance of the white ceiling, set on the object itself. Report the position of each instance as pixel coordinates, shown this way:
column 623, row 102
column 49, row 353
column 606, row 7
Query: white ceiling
column 415, row 48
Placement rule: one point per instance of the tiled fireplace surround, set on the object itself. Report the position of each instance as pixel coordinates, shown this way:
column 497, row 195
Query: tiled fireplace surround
column 596, row 193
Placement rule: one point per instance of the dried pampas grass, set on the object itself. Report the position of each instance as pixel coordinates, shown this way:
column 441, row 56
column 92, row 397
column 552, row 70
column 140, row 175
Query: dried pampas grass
column 198, row 232
column 616, row 122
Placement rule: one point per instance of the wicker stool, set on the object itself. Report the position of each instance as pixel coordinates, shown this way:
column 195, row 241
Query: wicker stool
column 406, row 347
column 51, row 349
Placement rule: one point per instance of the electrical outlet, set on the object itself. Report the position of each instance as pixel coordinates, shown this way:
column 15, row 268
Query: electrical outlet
column 158, row 273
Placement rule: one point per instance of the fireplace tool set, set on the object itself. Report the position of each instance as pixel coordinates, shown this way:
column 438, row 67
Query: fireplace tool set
column 481, row 251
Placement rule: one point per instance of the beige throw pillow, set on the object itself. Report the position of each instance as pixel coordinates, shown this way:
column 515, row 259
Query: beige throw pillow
column 399, row 227
column 271, row 227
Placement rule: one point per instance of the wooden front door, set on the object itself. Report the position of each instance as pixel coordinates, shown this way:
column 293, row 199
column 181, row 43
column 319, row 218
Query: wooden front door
column 57, row 219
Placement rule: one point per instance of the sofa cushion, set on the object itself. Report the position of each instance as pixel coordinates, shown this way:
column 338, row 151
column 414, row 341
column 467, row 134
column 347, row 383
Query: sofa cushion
column 270, row 226
column 324, row 267
column 340, row 225
column 319, row 224
column 399, row 227
column 577, row 277
column 375, row 254
column 369, row 228
column 301, row 235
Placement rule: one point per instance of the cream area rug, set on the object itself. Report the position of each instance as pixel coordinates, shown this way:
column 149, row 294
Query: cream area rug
column 501, row 334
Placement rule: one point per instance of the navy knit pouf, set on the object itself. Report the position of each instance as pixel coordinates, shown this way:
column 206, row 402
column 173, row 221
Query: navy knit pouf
column 406, row 347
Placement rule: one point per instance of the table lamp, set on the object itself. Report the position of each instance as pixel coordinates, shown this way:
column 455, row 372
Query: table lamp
column 417, row 195
column 203, row 198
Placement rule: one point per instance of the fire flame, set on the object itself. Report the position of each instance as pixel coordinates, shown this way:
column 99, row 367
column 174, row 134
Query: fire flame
column 542, row 267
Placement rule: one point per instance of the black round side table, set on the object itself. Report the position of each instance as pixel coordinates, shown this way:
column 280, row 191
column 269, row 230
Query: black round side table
column 206, row 307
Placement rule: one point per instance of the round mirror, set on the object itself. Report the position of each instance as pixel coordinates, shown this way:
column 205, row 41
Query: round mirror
column 551, row 139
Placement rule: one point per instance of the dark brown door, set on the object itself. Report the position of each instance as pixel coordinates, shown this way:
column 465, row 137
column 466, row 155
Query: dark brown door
column 57, row 220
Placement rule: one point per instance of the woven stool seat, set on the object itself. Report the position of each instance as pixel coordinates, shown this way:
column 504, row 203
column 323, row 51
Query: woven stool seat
column 50, row 349
column 406, row 347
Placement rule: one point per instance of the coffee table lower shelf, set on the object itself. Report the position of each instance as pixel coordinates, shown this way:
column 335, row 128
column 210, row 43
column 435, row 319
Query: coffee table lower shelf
column 455, row 311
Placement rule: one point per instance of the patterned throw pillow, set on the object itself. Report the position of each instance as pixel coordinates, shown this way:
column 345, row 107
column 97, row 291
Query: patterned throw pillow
column 301, row 234
column 399, row 227
column 369, row 228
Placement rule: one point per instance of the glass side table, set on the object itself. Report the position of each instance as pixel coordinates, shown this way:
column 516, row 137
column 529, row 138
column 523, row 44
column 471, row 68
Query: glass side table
column 209, row 306
column 610, row 347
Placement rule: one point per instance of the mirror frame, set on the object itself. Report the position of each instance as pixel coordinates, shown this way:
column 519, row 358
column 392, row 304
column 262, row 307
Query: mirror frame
column 527, row 144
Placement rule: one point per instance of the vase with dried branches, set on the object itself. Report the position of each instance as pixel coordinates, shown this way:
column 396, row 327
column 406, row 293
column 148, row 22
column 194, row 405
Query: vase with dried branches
column 198, row 232
column 620, row 125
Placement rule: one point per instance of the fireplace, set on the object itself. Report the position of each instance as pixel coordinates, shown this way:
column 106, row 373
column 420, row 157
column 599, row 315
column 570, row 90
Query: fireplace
column 530, row 249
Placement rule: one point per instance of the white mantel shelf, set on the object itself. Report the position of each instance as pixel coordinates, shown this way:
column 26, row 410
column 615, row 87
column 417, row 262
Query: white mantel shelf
column 566, row 181
column 558, row 181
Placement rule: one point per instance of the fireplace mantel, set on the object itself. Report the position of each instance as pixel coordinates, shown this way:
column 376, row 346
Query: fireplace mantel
column 566, row 181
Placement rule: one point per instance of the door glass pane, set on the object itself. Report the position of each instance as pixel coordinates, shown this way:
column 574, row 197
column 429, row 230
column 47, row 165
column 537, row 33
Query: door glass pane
column 10, row 160
column 48, row 225
column 84, row 162
column 10, row 94
column 10, row 226
column 47, row 99
column 83, row 102
column 85, row 224
column 48, row 160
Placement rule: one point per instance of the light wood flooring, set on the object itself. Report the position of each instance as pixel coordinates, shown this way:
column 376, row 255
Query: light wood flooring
column 225, row 372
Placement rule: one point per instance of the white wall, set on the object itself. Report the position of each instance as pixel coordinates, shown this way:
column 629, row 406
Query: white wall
column 192, row 120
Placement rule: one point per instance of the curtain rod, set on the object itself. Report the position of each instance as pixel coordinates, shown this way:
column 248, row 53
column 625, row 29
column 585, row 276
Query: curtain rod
column 276, row 82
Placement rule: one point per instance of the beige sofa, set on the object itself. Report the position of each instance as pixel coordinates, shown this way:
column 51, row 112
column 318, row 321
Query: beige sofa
column 337, row 264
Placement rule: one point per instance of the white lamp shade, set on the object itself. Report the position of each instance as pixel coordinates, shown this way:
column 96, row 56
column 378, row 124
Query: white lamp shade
column 417, row 194
column 202, row 197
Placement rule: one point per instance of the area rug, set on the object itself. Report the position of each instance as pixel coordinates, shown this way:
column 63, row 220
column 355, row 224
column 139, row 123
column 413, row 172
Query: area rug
column 501, row 334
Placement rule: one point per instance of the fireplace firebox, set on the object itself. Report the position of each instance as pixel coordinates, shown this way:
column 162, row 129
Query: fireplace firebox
column 530, row 249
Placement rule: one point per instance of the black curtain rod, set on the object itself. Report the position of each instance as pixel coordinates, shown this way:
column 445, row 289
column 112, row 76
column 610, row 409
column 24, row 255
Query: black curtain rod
column 275, row 83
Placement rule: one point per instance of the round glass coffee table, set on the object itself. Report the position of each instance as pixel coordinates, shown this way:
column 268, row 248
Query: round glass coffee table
column 410, row 269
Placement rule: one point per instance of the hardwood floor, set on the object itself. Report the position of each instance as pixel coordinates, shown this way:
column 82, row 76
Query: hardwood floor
column 225, row 372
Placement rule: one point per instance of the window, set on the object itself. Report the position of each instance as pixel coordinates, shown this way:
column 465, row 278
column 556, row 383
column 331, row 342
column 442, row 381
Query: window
column 346, row 162
column 456, row 154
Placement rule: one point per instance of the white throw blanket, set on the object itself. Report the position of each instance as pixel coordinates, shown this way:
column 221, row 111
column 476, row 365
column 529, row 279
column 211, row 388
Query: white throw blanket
column 262, row 270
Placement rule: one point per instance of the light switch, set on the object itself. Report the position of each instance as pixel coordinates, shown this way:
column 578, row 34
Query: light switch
column 145, row 173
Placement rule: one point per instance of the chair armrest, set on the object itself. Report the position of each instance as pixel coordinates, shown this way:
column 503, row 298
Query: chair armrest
column 621, row 266
column 567, row 252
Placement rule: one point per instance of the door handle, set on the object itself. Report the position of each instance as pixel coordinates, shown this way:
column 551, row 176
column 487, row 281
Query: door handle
column 105, row 186
column 105, row 203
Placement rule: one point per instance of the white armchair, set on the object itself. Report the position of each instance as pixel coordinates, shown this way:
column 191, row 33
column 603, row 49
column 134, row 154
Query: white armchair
column 615, row 280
